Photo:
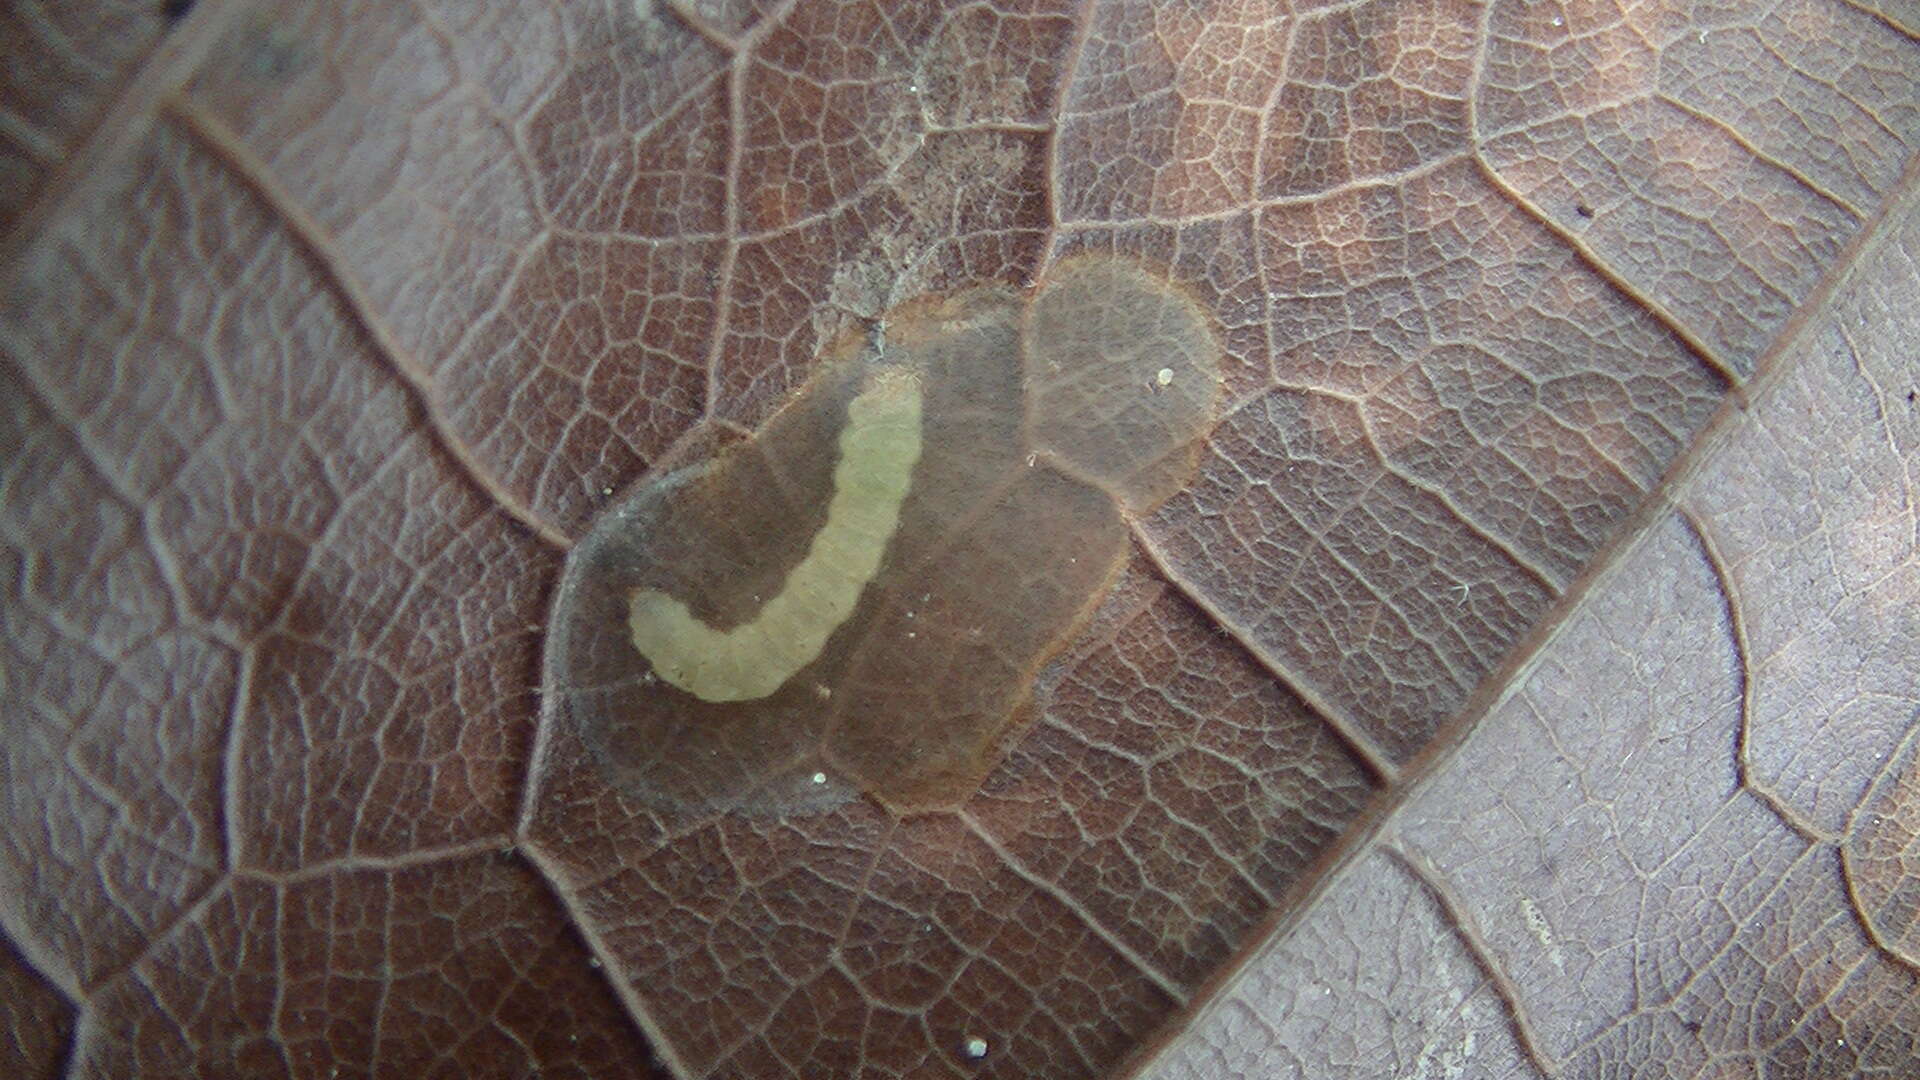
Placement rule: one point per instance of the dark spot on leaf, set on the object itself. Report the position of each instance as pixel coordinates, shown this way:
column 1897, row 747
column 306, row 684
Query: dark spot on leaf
column 175, row 10
column 274, row 53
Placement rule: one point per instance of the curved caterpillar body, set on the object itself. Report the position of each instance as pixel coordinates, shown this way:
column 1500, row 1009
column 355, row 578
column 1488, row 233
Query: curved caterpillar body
column 858, row 598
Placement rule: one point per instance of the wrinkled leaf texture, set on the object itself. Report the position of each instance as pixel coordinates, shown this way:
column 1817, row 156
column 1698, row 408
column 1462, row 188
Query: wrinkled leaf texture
column 1524, row 685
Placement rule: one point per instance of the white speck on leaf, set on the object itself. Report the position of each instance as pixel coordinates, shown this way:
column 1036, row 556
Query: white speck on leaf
column 1542, row 932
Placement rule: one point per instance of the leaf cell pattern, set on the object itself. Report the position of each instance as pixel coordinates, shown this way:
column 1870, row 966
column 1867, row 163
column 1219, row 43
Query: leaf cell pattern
column 1525, row 678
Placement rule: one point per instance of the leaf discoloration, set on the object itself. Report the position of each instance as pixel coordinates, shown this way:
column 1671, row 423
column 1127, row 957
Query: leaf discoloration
column 858, row 598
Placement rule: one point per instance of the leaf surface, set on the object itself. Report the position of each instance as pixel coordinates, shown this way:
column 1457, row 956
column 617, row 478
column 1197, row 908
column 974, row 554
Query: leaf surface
column 1524, row 684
